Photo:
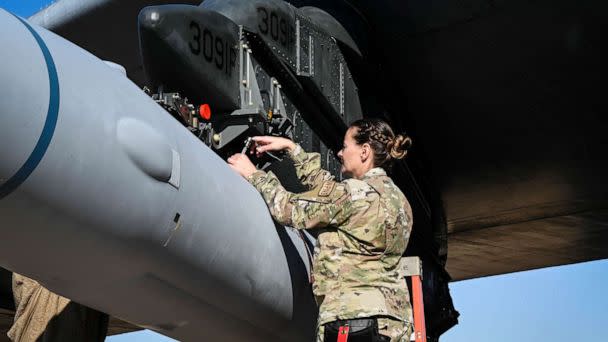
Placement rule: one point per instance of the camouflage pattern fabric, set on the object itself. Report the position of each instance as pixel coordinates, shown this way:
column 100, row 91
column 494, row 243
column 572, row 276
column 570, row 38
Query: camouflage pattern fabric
column 44, row 316
column 398, row 331
column 364, row 229
column 35, row 308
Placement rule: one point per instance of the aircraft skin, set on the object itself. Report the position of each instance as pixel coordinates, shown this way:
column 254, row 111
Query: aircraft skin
column 501, row 99
column 143, row 229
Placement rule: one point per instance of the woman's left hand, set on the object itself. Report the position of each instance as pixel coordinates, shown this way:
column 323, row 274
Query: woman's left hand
column 241, row 164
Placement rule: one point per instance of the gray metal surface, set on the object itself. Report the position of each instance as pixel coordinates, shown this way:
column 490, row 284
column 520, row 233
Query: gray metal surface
column 413, row 266
column 104, row 226
column 106, row 28
column 288, row 44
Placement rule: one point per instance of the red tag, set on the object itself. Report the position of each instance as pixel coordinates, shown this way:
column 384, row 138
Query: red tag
column 343, row 333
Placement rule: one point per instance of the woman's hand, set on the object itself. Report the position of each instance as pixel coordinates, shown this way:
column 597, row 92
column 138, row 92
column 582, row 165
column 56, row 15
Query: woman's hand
column 269, row 144
column 242, row 165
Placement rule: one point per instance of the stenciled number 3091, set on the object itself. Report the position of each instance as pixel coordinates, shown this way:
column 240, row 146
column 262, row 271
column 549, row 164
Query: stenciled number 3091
column 204, row 41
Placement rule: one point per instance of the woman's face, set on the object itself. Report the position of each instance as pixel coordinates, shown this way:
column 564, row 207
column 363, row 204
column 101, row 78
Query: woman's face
column 350, row 154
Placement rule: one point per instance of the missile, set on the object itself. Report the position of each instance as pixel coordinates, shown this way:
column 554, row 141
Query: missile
column 108, row 200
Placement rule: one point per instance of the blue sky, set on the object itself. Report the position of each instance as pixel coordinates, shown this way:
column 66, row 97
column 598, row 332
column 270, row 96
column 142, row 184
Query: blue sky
column 566, row 303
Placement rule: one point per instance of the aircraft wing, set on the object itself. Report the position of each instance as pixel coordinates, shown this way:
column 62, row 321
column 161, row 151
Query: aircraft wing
column 500, row 100
column 504, row 99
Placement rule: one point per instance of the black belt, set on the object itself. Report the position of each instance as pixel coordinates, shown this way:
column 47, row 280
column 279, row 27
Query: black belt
column 354, row 330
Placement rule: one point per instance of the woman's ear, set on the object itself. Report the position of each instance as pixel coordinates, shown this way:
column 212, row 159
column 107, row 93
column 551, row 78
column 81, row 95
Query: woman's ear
column 366, row 152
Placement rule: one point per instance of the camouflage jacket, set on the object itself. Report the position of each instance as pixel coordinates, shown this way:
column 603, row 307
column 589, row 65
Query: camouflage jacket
column 364, row 229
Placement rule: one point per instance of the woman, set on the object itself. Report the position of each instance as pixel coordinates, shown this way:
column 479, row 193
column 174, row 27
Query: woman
column 365, row 223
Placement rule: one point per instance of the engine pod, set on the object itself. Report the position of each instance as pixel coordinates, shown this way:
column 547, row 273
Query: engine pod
column 191, row 50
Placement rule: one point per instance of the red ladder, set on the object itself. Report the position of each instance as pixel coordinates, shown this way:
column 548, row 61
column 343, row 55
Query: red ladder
column 413, row 269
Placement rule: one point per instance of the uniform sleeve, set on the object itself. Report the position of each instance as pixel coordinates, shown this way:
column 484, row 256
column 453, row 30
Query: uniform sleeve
column 326, row 205
column 308, row 167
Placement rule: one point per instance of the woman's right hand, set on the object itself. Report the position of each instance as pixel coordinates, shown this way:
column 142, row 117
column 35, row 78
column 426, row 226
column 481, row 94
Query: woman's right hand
column 269, row 144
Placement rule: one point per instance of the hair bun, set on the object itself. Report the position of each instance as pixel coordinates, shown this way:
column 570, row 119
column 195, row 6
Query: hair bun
column 399, row 146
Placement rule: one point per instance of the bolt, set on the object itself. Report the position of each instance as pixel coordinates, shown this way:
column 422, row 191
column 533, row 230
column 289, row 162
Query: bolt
column 217, row 138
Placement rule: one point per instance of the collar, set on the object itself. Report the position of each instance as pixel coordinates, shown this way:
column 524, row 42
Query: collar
column 375, row 172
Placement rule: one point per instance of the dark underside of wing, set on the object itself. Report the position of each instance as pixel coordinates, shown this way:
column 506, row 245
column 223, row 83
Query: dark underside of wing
column 508, row 108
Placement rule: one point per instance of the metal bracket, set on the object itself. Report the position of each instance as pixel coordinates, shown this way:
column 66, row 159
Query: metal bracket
column 249, row 89
column 175, row 169
column 412, row 266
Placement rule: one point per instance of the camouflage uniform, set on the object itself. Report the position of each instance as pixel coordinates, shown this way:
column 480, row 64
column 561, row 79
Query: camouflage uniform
column 365, row 226
column 44, row 316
